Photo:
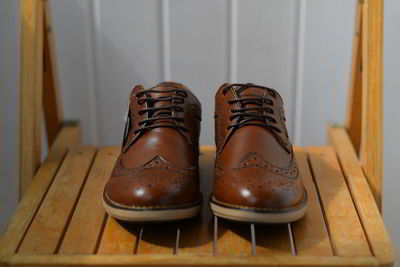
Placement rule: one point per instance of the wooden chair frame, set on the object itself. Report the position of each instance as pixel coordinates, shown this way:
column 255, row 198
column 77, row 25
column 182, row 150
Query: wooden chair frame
column 358, row 146
column 40, row 91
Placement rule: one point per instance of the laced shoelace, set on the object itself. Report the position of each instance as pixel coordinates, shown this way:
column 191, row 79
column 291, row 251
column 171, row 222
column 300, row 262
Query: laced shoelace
column 260, row 115
column 158, row 117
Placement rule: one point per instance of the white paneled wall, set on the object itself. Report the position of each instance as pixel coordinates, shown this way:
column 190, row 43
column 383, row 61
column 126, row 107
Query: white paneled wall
column 199, row 46
column 266, row 42
column 326, row 66
column 298, row 47
column 73, row 32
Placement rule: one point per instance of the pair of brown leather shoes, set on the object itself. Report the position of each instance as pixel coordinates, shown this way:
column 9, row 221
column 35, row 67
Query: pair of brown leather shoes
column 156, row 176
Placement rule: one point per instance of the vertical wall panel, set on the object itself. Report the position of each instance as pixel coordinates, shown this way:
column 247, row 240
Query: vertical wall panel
column 327, row 60
column 128, row 53
column 266, row 47
column 71, row 26
column 199, row 52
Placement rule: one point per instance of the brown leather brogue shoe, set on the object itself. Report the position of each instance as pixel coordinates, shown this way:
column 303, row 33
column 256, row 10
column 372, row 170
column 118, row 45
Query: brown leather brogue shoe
column 156, row 176
column 256, row 177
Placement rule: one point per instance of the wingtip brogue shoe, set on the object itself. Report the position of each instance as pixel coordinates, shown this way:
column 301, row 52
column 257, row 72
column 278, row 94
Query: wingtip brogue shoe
column 256, row 176
column 156, row 176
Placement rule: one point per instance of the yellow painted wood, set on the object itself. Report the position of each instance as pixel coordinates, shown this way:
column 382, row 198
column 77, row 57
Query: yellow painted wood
column 368, row 211
column 310, row 234
column 47, row 228
column 371, row 149
column 345, row 229
column 85, row 227
column 31, row 200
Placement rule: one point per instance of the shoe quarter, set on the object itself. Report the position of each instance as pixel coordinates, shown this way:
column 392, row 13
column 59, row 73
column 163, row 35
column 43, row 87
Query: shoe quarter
column 222, row 117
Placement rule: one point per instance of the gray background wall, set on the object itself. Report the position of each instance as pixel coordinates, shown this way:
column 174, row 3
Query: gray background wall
column 300, row 47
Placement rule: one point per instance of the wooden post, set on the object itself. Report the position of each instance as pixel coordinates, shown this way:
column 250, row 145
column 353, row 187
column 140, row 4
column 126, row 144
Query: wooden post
column 371, row 146
column 365, row 102
column 31, row 89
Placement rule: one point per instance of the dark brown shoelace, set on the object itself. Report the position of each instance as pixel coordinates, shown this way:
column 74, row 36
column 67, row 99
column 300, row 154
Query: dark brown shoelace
column 160, row 116
column 258, row 115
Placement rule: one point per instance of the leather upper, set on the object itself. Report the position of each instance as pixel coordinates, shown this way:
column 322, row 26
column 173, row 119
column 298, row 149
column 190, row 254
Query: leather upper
column 158, row 164
column 255, row 166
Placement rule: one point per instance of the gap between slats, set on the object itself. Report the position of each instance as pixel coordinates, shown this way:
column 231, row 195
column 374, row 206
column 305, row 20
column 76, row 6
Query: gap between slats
column 41, row 201
column 252, row 230
column 310, row 236
column 48, row 227
column 103, row 226
column 355, row 205
column 75, row 204
column 89, row 218
column 326, row 223
column 337, row 204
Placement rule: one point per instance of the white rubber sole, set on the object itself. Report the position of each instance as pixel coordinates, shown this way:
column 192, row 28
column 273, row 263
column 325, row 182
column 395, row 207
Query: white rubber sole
column 151, row 215
column 257, row 216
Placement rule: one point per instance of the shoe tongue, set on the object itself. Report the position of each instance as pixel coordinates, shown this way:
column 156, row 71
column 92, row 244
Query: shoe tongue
column 164, row 86
column 252, row 92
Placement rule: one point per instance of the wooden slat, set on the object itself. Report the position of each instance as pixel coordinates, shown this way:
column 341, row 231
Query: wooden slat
column 118, row 237
column 187, row 260
column 34, row 195
column 197, row 234
column 310, row 233
column 354, row 108
column 86, row 223
column 368, row 212
column 53, row 112
column 48, row 226
column 31, row 78
column 345, row 230
column 371, row 149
